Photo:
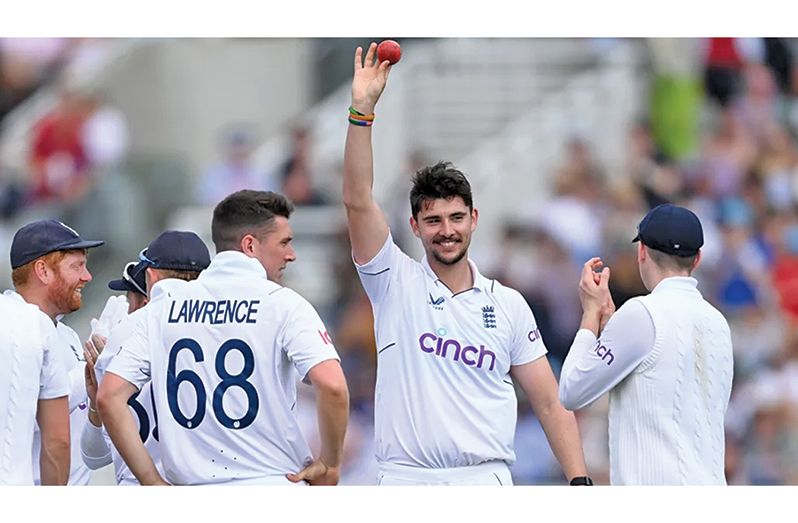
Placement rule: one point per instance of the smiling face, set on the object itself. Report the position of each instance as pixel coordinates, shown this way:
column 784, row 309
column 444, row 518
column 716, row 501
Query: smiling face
column 444, row 227
column 70, row 275
column 275, row 251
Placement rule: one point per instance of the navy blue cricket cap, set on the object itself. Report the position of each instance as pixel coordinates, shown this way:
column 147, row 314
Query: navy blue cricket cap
column 43, row 237
column 672, row 230
column 133, row 279
column 176, row 250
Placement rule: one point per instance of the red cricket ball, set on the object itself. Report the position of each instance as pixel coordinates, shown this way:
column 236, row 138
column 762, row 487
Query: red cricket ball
column 389, row 50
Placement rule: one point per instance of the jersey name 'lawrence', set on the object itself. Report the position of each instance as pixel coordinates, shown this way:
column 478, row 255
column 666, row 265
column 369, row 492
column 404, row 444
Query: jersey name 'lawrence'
column 214, row 312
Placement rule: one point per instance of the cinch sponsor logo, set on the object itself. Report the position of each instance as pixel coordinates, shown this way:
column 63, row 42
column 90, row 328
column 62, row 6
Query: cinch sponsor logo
column 603, row 352
column 466, row 353
column 534, row 335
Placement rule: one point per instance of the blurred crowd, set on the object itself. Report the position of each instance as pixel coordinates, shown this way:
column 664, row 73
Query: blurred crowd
column 739, row 174
column 719, row 139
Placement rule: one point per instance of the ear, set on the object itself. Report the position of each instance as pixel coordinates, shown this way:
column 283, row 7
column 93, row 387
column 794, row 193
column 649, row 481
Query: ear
column 414, row 226
column 44, row 272
column 151, row 277
column 641, row 252
column 248, row 245
column 474, row 216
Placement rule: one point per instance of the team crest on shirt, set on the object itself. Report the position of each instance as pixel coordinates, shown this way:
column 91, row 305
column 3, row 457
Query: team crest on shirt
column 488, row 317
column 436, row 303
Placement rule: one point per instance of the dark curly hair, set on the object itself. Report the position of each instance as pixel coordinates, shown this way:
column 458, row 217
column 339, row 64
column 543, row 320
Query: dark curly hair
column 441, row 180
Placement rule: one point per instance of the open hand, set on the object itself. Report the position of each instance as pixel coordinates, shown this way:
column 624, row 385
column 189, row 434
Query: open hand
column 369, row 80
column 90, row 354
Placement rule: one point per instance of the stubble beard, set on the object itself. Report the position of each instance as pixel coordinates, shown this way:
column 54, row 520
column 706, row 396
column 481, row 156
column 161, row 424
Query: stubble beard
column 451, row 261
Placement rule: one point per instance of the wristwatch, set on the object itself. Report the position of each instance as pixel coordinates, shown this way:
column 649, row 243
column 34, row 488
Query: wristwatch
column 583, row 481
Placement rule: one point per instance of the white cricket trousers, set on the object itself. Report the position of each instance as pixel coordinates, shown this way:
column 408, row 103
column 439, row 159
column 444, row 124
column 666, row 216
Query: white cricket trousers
column 491, row 473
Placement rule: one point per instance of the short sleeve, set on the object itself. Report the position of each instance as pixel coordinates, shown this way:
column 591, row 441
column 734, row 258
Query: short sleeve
column 118, row 334
column 305, row 340
column 54, row 379
column 527, row 343
column 389, row 265
column 132, row 359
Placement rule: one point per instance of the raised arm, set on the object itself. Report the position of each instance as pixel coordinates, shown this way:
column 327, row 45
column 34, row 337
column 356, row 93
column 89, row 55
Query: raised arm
column 368, row 228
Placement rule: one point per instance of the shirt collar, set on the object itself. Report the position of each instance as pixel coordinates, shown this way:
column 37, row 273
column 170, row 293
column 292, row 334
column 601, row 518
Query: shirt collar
column 480, row 282
column 679, row 283
column 234, row 262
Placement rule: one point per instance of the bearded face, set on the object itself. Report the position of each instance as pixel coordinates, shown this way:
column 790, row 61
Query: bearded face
column 445, row 227
column 70, row 276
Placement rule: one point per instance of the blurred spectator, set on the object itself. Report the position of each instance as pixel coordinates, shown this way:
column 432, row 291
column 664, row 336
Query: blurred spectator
column 675, row 98
column 779, row 58
column 723, row 69
column 59, row 165
column 234, row 171
column 628, row 205
column 650, row 169
column 785, row 270
column 727, row 156
column 757, row 106
column 12, row 196
column 777, row 167
column 573, row 214
column 104, row 134
column 297, row 175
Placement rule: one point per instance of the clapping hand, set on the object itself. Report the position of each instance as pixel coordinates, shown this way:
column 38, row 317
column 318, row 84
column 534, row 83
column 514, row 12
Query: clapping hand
column 594, row 293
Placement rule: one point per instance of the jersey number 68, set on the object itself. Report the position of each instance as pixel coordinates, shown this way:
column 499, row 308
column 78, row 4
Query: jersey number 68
column 173, row 382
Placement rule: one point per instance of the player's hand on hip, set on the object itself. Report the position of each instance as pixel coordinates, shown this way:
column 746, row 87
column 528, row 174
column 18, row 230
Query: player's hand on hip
column 317, row 473
column 369, row 80
column 594, row 292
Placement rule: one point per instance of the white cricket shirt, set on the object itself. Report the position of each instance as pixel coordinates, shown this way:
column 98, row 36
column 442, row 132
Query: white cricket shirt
column 444, row 396
column 30, row 372
column 70, row 352
column 666, row 360
column 141, row 404
column 223, row 352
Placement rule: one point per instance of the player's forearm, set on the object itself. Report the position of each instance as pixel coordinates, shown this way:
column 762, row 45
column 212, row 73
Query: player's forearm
column 358, row 168
column 122, row 429
column 591, row 320
column 54, row 461
column 121, row 426
column 562, row 432
column 52, row 415
column 333, row 410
